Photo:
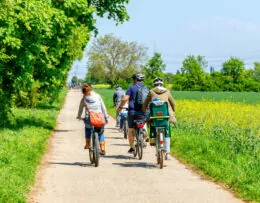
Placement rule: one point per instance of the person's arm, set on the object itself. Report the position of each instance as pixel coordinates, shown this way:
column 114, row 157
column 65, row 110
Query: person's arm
column 147, row 101
column 171, row 101
column 123, row 101
column 81, row 107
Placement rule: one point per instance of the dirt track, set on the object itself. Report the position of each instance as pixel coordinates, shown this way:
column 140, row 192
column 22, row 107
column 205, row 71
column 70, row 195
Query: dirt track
column 66, row 175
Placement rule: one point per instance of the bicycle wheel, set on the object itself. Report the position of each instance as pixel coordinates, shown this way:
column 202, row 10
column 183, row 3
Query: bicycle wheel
column 162, row 155
column 96, row 150
column 158, row 157
column 140, row 143
column 125, row 128
column 135, row 144
column 91, row 153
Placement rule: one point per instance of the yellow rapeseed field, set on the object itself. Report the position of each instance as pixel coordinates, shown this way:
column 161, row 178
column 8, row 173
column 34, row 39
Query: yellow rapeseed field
column 224, row 116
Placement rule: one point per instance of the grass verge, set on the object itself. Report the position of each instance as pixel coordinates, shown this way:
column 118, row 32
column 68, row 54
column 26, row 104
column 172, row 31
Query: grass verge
column 22, row 146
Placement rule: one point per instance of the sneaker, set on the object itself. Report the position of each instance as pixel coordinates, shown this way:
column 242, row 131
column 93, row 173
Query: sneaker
column 120, row 129
column 131, row 150
column 168, row 157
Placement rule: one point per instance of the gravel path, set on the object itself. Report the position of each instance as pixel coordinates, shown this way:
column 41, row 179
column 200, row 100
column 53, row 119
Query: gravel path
column 66, row 175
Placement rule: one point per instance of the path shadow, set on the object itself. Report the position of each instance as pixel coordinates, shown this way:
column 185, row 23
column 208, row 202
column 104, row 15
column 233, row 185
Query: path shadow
column 118, row 157
column 117, row 138
column 115, row 128
column 136, row 164
column 72, row 164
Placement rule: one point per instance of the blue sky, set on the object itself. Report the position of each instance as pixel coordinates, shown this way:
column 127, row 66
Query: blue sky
column 214, row 29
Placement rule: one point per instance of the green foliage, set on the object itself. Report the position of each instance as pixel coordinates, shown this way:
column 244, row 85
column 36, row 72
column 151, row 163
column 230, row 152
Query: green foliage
column 110, row 59
column 232, row 77
column 154, row 69
column 39, row 40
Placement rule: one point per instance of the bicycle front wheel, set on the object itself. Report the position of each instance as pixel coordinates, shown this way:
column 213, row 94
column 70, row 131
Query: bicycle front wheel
column 96, row 150
column 162, row 155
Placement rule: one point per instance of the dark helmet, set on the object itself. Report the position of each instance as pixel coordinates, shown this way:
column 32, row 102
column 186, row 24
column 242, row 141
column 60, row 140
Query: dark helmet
column 158, row 81
column 138, row 76
column 118, row 86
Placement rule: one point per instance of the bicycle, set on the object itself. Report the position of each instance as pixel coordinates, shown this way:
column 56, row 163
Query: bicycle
column 139, row 122
column 159, row 121
column 94, row 151
column 123, row 119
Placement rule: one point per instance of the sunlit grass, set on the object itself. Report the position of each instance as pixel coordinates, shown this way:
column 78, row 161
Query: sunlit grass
column 21, row 148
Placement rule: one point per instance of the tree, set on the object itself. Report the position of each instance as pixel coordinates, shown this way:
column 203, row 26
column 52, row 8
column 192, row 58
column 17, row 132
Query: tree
column 154, row 69
column 192, row 68
column 112, row 58
column 233, row 74
column 256, row 71
column 39, row 40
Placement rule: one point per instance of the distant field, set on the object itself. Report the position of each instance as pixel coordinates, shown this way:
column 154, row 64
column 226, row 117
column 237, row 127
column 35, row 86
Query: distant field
column 244, row 97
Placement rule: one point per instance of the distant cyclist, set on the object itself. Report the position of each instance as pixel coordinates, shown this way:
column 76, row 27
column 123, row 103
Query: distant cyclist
column 133, row 108
column 118, row 95
column 92, row 101
column 163, row 94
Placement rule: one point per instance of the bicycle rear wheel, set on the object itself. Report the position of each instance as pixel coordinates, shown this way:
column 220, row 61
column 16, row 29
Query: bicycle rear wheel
column 162, row 155
column 135, row 144
column 96, row 150
column 140, row 143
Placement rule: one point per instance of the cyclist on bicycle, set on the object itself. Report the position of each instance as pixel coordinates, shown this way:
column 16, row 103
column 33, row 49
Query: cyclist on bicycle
column 123, row 114
column 92, row 101
column 134, row 109
column 118, row 95
column 163, row 94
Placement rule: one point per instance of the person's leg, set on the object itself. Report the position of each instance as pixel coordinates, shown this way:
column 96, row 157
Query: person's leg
column 168, row 143
column 121, row 122
column 87, row 137
column 101, row 138
column 131, row 131
column 117, row 116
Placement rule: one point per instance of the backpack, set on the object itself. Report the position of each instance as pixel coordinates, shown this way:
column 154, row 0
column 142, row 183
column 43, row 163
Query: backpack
column 141, row 95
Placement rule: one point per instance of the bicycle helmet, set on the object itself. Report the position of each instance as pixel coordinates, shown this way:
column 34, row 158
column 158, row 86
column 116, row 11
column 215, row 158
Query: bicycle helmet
column 138, row 76
column 158, row 81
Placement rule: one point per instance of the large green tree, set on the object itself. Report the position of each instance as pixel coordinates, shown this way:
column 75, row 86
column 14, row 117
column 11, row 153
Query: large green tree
column 154, row 69
column 193, row 70
column 232, row 71
column 112, row 59
column 39, row 40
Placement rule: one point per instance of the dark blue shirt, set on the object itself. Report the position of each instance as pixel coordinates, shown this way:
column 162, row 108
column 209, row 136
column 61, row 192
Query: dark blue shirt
column 131, row 92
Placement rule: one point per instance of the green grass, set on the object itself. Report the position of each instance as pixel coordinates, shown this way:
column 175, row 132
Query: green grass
column 22, row 146
column 243, row 97
column 228, row 159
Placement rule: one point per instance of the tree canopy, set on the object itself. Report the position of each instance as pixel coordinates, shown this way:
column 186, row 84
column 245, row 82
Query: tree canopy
column 39, row 40
column 114, row 60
